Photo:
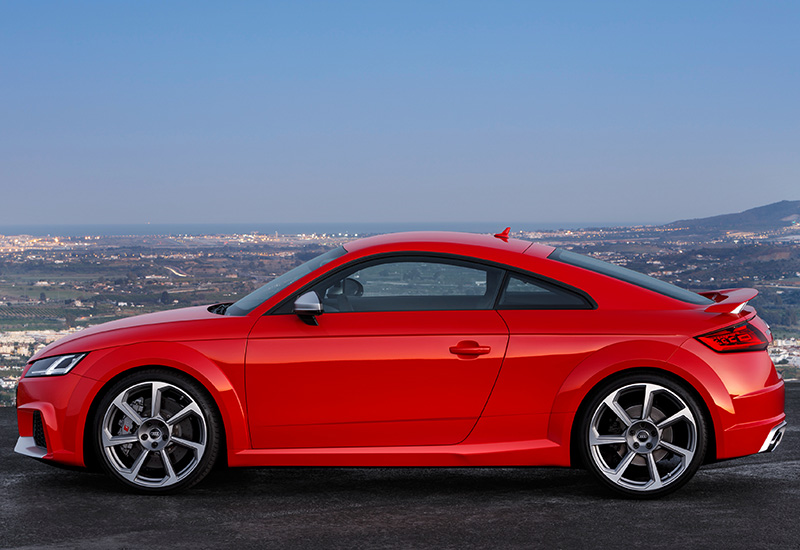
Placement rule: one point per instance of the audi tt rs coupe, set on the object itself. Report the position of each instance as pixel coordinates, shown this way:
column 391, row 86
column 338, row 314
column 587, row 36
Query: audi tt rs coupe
column 417, row 349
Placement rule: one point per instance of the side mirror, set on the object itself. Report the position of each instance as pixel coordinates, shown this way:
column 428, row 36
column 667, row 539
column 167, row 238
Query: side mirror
column 307, row 307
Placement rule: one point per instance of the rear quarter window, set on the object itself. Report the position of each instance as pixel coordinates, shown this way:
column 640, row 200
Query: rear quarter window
column 522, row 292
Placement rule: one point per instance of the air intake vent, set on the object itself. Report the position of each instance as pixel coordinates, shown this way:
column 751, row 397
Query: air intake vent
column 38, row 430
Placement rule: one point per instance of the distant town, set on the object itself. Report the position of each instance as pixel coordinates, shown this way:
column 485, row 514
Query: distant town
column 51, row 286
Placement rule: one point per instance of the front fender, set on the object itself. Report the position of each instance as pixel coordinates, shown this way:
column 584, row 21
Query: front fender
column 217, row 365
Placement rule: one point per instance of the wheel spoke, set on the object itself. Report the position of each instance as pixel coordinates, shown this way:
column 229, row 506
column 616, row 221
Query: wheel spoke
column 170, row 471
column 683, row 414
column 114, row 440
column 127, row 410
column 647, row 405
column 133, row 472
column 198, row 447
column 181, row 414
column 611, row 403
column 155, row 398
column 597, row 439
column 685, row 454
column 617, row 472
column 655, row 477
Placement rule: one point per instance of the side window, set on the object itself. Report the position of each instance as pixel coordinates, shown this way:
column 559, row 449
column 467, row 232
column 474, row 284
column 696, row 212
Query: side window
column 411, row 284
column 523, row 292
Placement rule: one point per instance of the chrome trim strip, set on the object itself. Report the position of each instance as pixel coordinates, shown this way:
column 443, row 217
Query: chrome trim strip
column 28, row 447
column 774, row 438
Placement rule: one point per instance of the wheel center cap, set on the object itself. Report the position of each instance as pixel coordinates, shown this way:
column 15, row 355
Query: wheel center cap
column 642, row 437
column 153, row 434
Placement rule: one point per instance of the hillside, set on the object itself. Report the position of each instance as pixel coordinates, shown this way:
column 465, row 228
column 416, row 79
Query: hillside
column 762, row 218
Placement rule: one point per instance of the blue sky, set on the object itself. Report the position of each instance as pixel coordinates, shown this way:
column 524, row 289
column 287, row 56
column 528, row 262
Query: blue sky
column 133, row 112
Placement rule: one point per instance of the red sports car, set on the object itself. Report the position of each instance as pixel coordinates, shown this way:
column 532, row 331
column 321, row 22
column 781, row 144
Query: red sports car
column 418, row 349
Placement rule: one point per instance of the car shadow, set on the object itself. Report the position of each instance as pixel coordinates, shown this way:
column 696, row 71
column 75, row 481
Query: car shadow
column 296, row 481
column 399, row 484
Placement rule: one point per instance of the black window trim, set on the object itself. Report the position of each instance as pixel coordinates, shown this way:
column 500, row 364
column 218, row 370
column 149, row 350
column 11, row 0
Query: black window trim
column 284, row 307
column 589, row 303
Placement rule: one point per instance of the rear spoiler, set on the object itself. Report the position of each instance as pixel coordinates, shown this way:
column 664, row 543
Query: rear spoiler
column 729, row 300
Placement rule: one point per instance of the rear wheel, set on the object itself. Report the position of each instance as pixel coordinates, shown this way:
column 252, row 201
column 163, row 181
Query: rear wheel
column 156, row 431
column 643, row 436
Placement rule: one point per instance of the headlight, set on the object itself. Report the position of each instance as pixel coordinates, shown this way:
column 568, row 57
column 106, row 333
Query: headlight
column 55, row 366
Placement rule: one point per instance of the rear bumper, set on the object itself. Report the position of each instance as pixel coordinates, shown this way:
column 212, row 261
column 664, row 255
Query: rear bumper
column 743, row 392
column 774, row 438
column 759, row 417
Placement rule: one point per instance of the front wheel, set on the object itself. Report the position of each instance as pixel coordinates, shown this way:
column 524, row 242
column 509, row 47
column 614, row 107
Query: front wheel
column 156, row 431
column 643, row 436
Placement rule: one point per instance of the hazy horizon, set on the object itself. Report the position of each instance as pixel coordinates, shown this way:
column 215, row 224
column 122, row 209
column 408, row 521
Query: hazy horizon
column 285, row 228
column 307, row 227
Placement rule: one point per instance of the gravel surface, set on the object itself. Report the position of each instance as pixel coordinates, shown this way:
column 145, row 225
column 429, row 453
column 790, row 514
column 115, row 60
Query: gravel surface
column 753, row 502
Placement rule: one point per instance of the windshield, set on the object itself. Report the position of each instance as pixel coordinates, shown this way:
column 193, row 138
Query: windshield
column 629, row 276
column 261, row 295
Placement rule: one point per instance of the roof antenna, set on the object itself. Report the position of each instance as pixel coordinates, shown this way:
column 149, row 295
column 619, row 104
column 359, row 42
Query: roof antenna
column 504, row 234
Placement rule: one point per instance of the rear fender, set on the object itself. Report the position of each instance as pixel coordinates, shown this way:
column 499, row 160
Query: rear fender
column 641, row 354
column 607, row 361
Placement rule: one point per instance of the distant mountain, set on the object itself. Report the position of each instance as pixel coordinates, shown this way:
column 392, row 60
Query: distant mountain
column 762, row 218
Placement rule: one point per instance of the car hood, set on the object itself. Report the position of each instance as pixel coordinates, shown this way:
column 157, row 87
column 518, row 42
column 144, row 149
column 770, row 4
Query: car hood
column 191, row 323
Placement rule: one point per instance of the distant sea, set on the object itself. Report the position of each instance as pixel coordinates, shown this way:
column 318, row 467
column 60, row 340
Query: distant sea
column 356, row 228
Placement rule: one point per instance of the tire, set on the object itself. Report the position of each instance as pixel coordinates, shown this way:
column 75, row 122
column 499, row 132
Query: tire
column 156, row 431
column 642, row 435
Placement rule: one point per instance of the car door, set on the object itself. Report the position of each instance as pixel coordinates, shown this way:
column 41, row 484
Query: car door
column 406, row 353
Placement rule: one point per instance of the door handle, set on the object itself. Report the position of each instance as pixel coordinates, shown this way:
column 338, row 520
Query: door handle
column 469, row 347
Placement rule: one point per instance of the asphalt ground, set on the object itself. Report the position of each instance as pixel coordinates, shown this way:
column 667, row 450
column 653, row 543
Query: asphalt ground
column 752, row 502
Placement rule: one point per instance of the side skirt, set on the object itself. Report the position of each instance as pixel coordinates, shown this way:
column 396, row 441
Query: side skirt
column 540, row 452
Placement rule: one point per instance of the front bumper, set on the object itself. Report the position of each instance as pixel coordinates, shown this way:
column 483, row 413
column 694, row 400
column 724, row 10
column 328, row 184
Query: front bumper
column 27, row 446
column 50, row 417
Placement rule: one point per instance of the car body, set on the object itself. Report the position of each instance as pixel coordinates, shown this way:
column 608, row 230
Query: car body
column 417, row 349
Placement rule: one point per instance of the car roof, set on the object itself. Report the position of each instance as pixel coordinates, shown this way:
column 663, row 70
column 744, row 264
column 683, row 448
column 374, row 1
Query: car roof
column 434, row 240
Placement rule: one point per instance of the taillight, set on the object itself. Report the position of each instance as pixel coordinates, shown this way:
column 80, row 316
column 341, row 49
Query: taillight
column 744, row 337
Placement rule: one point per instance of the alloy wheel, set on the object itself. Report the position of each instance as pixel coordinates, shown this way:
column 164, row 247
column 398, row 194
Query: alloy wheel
column 153, row 434
column 643, row 437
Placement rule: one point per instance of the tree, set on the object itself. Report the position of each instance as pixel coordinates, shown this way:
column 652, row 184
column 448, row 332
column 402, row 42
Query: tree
column 69, row 318
column 42, row 297
column 164, row 297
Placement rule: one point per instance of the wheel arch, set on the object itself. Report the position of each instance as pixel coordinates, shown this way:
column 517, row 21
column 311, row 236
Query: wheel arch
column 89, row 456
column 665, row 357
column 711, row 444
column 174, row 358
